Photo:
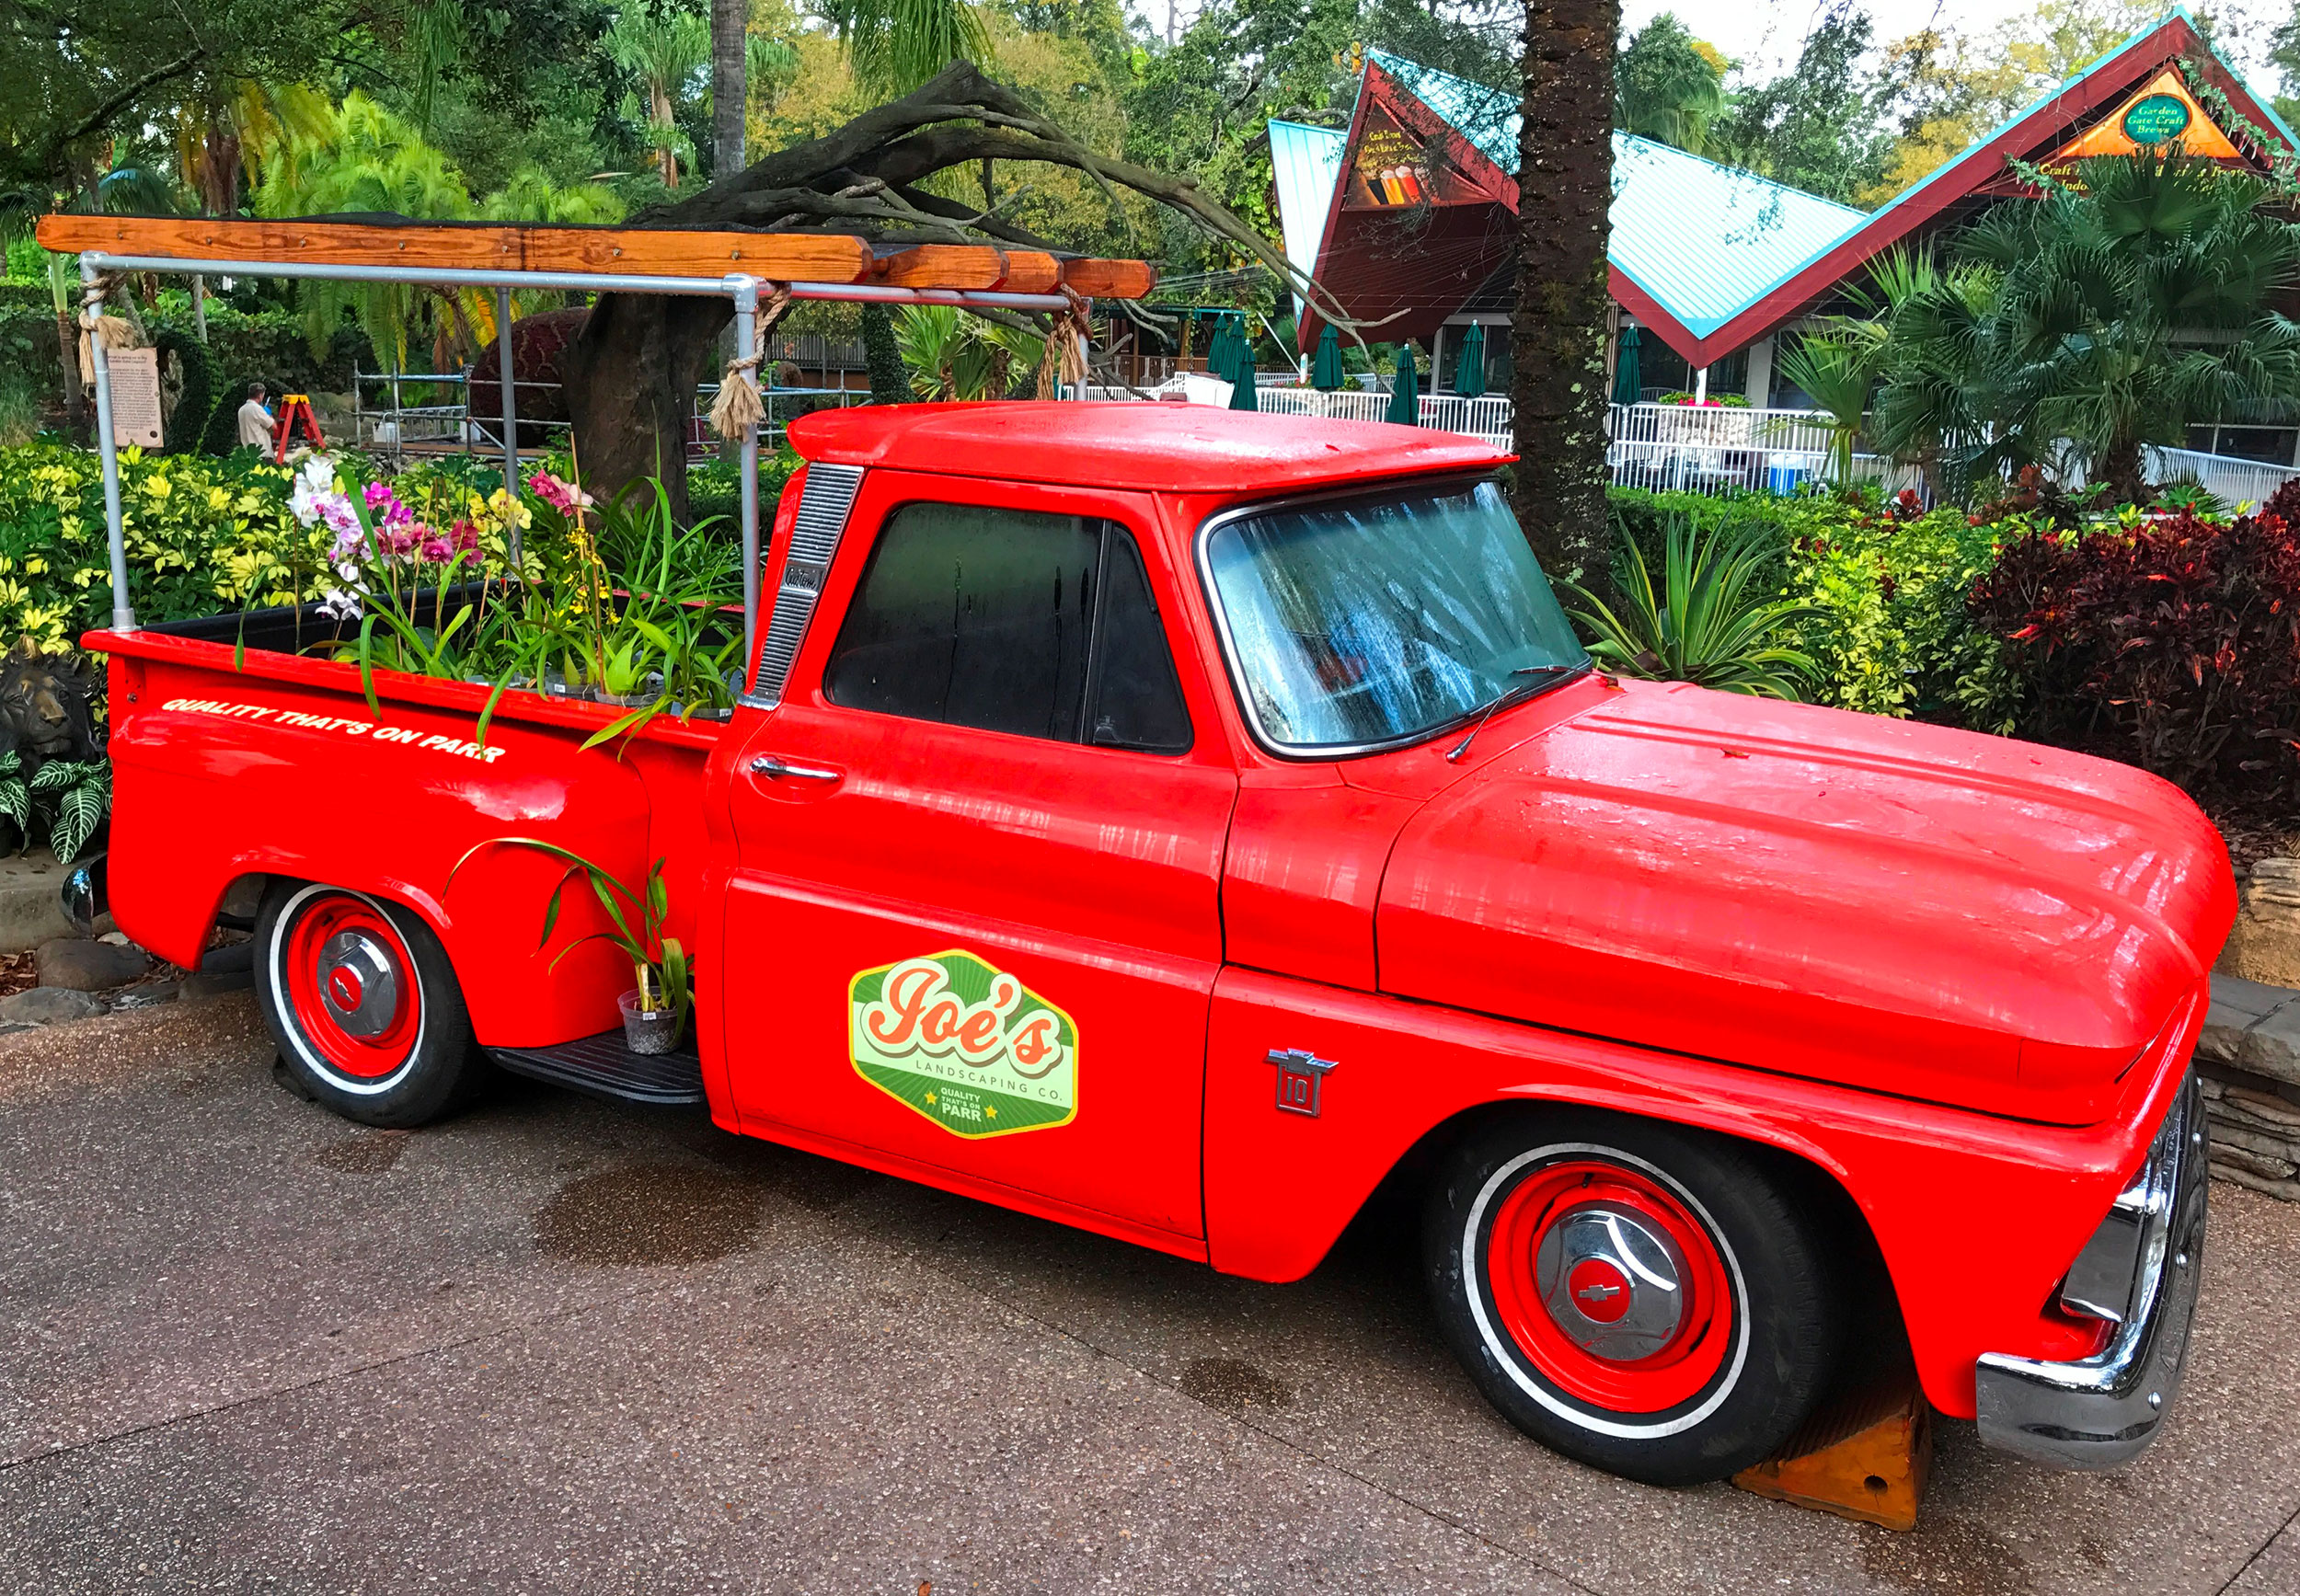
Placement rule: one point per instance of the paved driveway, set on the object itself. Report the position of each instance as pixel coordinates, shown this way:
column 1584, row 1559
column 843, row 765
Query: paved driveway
column 554, row 1346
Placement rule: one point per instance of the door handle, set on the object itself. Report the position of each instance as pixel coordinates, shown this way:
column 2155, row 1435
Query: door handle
column 774, row 768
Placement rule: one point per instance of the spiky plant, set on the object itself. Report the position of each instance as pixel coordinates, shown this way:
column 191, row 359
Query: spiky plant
column 1710, row 622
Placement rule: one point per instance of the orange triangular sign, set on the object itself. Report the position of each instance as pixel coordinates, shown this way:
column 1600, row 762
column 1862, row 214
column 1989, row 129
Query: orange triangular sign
column 2163, row 113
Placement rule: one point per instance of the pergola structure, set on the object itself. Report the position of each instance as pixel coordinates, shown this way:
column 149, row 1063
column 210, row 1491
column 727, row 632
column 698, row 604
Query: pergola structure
column 738, row 266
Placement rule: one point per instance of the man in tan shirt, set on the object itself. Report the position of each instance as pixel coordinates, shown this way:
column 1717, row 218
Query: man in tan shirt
column 255, row 422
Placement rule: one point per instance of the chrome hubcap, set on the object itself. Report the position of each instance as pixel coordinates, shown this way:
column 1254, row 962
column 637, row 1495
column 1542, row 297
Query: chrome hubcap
column 1612, row 1281
column 358, row 983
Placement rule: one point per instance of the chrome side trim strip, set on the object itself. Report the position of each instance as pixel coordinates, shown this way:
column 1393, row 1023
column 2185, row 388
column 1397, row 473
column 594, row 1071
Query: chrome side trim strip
column 2100, row 1411
column 826, row 504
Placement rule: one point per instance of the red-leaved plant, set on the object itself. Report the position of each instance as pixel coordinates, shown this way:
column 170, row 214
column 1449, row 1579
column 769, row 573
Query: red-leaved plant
column 2174, row 646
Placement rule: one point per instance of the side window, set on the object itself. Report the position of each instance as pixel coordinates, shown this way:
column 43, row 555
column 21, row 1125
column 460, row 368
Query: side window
column 1013, row 621
column 1136, row 701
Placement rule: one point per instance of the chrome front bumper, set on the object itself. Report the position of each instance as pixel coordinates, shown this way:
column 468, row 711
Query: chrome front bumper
column 2139, row 1272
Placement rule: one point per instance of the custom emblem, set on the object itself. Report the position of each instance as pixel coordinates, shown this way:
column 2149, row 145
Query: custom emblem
column 1301, row 1080
column 965, row 1044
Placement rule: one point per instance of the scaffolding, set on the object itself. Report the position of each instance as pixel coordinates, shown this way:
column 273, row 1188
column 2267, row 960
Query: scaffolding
column 560, row 260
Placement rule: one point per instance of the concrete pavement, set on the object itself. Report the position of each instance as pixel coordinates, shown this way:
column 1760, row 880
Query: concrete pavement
column 557, row 1345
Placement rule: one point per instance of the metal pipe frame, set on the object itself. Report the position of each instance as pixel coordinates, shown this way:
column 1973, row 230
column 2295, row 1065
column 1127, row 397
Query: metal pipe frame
column 99, row 367
column 741, row 288
column 575, row 282
column 511, row 425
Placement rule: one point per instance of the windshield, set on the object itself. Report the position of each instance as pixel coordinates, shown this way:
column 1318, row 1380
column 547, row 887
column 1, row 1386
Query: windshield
column 1377, row 620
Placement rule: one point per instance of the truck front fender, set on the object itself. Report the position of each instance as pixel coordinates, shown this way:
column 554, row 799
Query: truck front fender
column 1949, row 1194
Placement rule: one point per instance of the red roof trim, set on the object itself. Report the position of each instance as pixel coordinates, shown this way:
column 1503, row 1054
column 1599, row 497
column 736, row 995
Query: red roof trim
column 2047, row 124
column 1404, row 106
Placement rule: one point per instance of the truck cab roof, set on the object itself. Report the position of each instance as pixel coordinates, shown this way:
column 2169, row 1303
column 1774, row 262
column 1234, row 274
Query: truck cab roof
column 1167, row 447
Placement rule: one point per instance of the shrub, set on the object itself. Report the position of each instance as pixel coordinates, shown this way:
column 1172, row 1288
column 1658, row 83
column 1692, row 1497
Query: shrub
column 201, row 533
column 1710, row 622
column 1890, row 631
column 2172, row 644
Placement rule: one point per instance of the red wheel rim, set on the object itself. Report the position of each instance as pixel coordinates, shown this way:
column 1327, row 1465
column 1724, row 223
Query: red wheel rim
column 1630, row 1307
column 351, row 983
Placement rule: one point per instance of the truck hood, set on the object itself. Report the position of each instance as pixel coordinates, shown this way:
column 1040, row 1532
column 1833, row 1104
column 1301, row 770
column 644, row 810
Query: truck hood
column 1893, row 906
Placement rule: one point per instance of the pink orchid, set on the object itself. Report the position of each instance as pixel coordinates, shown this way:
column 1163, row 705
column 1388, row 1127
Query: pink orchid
column 560, row 495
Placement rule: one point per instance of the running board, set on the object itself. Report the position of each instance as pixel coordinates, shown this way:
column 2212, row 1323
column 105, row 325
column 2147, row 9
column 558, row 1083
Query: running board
column 603, row 1066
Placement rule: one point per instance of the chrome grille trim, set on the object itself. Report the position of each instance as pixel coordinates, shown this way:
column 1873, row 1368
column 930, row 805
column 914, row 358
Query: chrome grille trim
column 826, row 504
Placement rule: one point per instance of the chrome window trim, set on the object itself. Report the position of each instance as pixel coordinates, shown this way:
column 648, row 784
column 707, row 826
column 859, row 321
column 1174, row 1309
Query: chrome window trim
column 1395, row 487
column 826, row 504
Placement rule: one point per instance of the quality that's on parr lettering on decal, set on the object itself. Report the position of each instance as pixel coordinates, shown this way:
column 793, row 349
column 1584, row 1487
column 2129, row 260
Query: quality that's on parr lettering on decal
column 956, row 1038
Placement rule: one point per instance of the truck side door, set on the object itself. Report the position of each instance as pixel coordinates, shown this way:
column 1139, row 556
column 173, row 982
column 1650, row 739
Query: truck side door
column 974, row 921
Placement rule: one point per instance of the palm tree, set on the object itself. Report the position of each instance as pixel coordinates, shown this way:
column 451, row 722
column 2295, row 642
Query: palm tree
column 663, row 52
column 2107, row 316
column 1557, row 334
column 895, row 46
column 731, row 22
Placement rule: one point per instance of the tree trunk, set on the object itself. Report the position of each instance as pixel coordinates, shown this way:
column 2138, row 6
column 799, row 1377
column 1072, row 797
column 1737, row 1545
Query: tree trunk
column 2124, row 469
column 1557, row 335
column 629, row 378
column 74, row 401
column 730, row 21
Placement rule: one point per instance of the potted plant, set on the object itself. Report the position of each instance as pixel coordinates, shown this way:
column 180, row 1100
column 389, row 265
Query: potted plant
column 655, row 1011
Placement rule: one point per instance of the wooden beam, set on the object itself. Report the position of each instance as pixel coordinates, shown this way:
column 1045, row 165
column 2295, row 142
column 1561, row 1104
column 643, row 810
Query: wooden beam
column 1111, row 279
column 661, row 252
column 639, row 251
column 646, row 252
column 944, row 265
column 1031, row 272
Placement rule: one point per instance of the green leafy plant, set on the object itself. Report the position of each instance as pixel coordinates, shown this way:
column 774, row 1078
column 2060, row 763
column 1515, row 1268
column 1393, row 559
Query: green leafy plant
column 1712, row 622
column 658, row 962
column 65, row 799
column 72, row 797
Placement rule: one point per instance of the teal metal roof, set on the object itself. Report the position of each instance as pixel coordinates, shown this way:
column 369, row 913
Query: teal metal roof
column 1305, row 161
column 1704, row 240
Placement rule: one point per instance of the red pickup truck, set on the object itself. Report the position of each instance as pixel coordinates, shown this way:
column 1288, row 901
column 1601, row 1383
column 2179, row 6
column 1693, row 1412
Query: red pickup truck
column 1179, row 823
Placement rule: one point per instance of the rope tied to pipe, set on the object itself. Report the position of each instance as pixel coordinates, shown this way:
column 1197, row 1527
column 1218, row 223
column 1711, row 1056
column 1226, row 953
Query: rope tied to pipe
column 739, row 407
column 116, row 332
column 1063, row 361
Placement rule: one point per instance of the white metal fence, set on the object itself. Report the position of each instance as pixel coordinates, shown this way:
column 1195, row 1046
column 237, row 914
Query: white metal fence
column 2234, row 482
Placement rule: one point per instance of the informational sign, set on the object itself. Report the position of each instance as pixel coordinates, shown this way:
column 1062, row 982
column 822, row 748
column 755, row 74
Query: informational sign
column 2161, row 115
column 135, row 375
column 2156, row 119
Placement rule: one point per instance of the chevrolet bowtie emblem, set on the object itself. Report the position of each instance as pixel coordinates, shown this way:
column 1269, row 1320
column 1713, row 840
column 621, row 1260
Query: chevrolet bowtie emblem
column 1598, row 1294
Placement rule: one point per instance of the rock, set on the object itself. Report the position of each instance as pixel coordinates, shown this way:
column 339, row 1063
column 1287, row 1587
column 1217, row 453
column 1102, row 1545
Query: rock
column 230, row 957
column 2268, row 1146
column 2258, row 1163
column 2264, row 944
column 203, row 984
column 50, row 1005
column 2237, row 1006
column 84, row 965
column 2265, row 1105
column 2287, row 1190
column 2271, row 1047
column 145, row 996
column 117, row 938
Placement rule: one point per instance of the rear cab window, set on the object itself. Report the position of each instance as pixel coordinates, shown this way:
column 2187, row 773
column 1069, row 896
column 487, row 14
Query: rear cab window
column 1023, row 622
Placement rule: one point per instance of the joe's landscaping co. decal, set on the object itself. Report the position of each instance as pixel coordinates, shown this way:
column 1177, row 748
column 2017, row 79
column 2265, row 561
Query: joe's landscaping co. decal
column 965, row 1044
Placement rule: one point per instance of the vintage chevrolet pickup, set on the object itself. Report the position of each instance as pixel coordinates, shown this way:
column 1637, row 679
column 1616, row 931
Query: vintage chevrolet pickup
column 1179, row 824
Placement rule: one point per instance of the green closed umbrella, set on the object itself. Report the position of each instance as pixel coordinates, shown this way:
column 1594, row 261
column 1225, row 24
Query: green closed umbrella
column 1405, row 391
column 1325, row 368
column 1218, row 351
column 1628, row 382
column 1470, row 370
column 1242, row 380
